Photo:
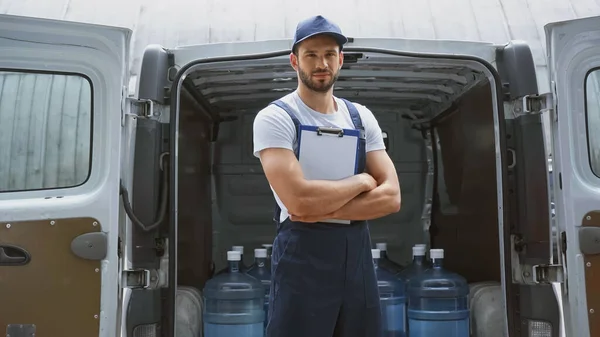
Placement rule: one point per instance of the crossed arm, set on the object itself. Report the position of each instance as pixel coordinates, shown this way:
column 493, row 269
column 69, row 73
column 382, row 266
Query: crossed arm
column 360, row 197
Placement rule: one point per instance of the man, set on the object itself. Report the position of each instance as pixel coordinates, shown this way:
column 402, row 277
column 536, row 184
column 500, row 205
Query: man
column 323, row 281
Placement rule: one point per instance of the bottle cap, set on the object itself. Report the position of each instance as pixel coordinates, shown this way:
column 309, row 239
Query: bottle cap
column 436, row 253
column 233, row 255
column 238, row 249
column 376, row 253
column 382, row 246
column 267, row 245
column 260, row 252
column 418, row 250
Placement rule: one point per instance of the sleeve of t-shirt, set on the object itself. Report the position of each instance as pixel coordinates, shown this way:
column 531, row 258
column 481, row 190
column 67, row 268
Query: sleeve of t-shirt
column 374, row 136
column 273, row 128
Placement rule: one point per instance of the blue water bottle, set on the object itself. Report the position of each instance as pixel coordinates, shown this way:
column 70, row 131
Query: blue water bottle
column 385, row 262
column 438, row 303
column 269, row 248
column 392, row 300
column 233, row 303
column 418, row 265
column 261, row 271
column 242, row 267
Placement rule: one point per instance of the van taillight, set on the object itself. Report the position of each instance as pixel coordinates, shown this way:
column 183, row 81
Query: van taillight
column 539, row 329
column 146, row 330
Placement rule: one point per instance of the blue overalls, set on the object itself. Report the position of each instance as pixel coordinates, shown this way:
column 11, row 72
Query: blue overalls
column 323, row 279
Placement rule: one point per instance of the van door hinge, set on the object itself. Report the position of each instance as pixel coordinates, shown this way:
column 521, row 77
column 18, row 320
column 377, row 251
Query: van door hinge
column 531, row 104
column 524, row 273
column 139, row 278
column 136, row 278
column 547, row 274
column 143, row 108
column 147, row 109
column 142, row 279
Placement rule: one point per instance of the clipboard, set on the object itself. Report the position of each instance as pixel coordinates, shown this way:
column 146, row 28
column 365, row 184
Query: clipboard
column 327, row 153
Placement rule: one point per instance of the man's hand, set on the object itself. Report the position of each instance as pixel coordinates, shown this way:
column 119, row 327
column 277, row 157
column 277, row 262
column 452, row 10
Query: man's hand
column 375, row 203
column 309, row 198
column 368, row 180
column 380, row 201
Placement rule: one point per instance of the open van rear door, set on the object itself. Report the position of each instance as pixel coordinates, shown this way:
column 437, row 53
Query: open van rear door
column 61, row 92
column 574, row 52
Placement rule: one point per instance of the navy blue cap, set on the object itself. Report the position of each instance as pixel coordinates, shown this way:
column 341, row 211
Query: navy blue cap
column 318, row 25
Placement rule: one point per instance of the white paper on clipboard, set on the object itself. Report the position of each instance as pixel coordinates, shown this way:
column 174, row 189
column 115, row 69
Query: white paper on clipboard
column 328, row 154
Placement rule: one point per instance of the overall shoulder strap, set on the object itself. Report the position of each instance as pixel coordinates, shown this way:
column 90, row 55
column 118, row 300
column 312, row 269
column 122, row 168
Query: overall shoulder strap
column 358, row 125
column 288, row 109
column 354, row 114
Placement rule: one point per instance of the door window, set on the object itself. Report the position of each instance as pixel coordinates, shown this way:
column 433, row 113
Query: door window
column 45, row 130
column 592, row 96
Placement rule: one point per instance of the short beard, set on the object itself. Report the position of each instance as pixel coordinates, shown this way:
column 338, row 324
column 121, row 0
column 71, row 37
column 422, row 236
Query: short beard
column 318, row 86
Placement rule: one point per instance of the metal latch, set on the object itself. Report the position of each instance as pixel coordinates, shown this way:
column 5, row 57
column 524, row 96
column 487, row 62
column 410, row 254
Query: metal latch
column 537, row 103
column 546, row 274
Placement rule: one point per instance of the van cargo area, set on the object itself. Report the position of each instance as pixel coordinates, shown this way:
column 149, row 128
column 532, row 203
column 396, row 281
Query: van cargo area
column 439, row 115
column 438, row 120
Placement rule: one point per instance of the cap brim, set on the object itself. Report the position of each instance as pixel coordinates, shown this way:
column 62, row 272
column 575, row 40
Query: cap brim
column 339, row 38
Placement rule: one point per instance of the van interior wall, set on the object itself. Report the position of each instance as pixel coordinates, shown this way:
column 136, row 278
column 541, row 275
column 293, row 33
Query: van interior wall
column 465, row 203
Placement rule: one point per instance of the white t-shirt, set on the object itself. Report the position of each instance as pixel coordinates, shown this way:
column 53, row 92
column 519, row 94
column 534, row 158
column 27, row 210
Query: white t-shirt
column 273, row 128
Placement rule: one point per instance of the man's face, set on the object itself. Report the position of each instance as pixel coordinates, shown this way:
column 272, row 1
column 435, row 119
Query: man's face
column 318, row 62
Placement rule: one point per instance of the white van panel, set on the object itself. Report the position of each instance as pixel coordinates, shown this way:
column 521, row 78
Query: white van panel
column 60, row 113
column 483, row 50
column 574, row 50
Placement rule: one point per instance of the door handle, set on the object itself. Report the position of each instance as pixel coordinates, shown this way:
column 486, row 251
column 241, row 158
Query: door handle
column 13, row 256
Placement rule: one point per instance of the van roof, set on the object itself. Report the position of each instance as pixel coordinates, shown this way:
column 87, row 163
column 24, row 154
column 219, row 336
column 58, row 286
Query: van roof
column 415, row 86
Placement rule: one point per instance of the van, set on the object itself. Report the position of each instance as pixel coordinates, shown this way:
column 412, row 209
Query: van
column 116, row 208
